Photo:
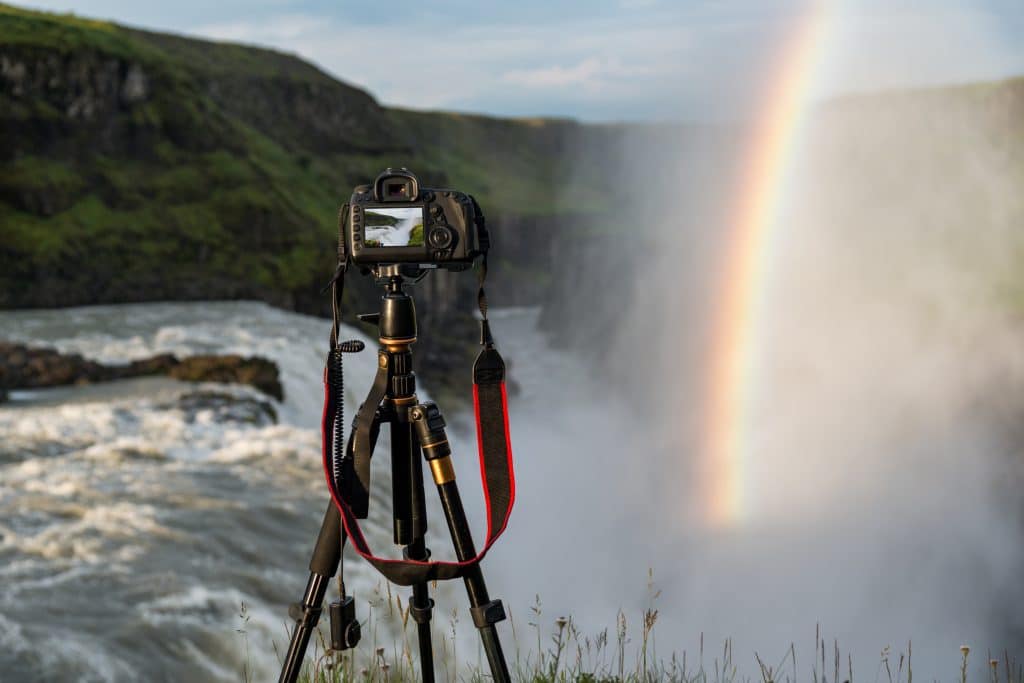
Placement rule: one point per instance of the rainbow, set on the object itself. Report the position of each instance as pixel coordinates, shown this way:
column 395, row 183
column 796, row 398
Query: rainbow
column 753, row 223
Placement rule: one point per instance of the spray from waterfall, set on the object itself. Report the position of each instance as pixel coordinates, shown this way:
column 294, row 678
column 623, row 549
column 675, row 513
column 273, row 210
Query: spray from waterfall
column 807, row 413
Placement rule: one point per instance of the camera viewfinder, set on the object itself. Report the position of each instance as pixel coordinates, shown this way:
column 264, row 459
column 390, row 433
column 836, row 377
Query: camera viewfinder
column 397, row 190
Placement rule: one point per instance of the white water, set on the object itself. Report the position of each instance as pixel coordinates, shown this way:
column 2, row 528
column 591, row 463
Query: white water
column 136, row 519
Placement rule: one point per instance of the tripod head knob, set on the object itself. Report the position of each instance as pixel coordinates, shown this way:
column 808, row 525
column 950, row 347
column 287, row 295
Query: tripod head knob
column 372, row 318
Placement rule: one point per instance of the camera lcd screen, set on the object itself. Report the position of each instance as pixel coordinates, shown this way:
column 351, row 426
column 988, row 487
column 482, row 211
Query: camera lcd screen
column 394, row 227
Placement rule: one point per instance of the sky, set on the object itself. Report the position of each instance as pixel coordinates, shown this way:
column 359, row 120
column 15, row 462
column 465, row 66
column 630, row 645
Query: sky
column 596, row 60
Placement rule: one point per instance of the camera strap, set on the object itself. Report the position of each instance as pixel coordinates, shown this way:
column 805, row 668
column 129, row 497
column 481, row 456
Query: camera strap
column 348, row 471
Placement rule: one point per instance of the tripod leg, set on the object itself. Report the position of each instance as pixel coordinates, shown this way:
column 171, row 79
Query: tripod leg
column 322, row 566
column 401, row 483
column 486, row 612
column 420, row 609
column 407, row 485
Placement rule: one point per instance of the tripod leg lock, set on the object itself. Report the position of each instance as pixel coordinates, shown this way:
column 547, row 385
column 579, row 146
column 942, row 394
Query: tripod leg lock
column 429, row 424
column 421, row 613
column 305, row 616
column 422, row 558
column 488, row 614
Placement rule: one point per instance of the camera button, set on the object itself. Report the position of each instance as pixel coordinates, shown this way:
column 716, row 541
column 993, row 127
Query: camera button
column 440, row 237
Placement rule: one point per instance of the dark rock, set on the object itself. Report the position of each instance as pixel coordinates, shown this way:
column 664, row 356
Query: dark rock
column 135, row 87
column 227, row 408
column 258, row 372
column 155, row 365
column 25, row 367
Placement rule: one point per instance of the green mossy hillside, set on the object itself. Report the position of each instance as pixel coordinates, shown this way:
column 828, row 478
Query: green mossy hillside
column 137, row 166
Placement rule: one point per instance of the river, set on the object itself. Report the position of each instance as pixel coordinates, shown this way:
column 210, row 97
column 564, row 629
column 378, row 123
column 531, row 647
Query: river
column 137, row 518
column 156, row 530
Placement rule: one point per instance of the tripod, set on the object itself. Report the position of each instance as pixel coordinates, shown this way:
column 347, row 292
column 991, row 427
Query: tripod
column 416, row 428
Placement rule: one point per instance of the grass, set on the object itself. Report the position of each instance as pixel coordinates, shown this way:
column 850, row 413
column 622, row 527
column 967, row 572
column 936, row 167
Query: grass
column 556, row 651
column 67, row 33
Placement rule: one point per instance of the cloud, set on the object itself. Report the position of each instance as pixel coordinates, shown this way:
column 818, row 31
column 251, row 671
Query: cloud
column 891, row 47
column 585, row 73
column 592, row 73
column 280, row 29
column 474, row 66
column 600, row 60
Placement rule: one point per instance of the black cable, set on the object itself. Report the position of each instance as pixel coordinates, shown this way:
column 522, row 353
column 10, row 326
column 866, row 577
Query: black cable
column 336, row 381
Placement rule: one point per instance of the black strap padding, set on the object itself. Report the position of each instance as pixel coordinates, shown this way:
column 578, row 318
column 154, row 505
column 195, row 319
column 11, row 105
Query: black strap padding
column 489, row 368
column 358, row 487
column 489, row 387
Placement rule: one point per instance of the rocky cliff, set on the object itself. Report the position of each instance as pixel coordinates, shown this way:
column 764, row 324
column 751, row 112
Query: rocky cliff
column 137, row 166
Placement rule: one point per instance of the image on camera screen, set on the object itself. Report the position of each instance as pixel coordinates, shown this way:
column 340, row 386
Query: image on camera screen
column 399, row 227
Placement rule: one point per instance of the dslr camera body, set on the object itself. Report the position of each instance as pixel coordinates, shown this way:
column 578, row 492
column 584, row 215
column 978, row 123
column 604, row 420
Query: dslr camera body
column 394, row 220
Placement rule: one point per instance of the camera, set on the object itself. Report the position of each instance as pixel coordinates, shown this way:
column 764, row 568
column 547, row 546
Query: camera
column 394, row 220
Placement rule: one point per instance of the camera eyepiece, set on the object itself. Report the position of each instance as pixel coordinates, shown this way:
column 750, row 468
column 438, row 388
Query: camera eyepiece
column 396, row 186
